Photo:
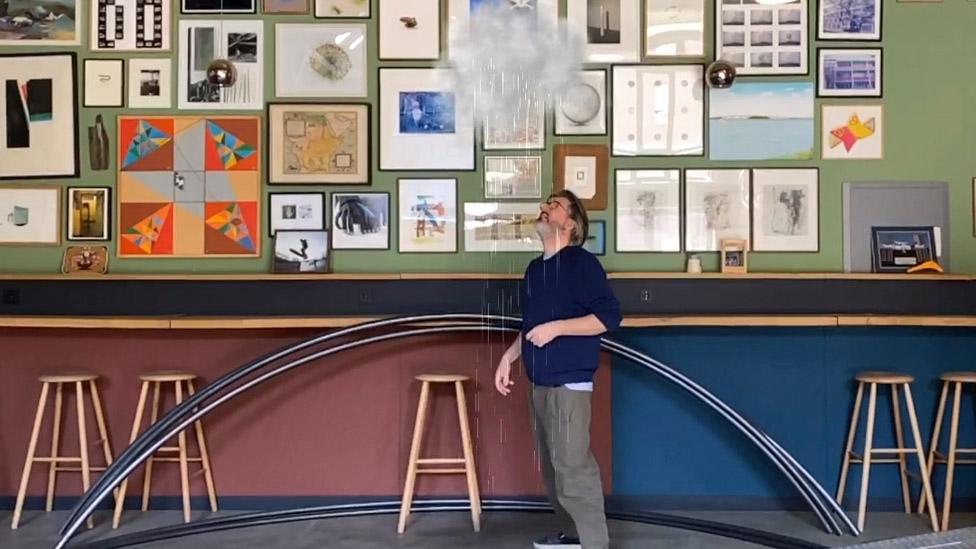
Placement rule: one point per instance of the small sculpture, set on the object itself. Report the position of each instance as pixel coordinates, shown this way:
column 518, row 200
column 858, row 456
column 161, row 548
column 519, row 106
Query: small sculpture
column 98, row 145
column 409, row 22
column 221, row 73
column 720, row 74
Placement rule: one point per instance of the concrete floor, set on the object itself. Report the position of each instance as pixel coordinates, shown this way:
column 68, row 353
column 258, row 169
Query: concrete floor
column 500, row 530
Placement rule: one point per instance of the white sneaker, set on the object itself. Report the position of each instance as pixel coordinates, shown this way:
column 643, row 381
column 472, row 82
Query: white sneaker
column 557, row 541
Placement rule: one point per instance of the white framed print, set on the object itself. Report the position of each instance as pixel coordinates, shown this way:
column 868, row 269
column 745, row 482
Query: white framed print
column 320, row 60
column 463, row 15
column 513, row 177
column 501, row 227
column 240, row 41
column 130, row 25
column 849, row 20
column 658, row 110
column 674, row 28
column 648, row 210
column 410, row 30
column 345, row 9
column 88, row 213
column 852, row 132
column 762, row 37
column 716, row 208
column 361, row 221
column 104, row 83
column 610, row 29
column 150, row 83
column 849, row 72
column 522, row 128
column 786, row 210
column 581, row 109
column 30, row 215
column 428, row 215
column 424, row 123
column 295, row 211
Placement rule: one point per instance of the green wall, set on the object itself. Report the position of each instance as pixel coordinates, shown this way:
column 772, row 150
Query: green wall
column 929, row 121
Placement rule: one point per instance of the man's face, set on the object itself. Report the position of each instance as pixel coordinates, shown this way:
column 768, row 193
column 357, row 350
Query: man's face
column 553, row 216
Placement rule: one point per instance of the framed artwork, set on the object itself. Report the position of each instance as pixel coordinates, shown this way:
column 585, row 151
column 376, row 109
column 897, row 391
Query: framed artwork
column 762, row 37
column 85, row 260
column 319, row 143
column 421, row 126
column 501, row 227
column 39, row 116
column 130, row 25
column 21, row 26
column 88, row 213
column 849, row 72
column 30, row 215
column 897, row 249
column 189, row 186
column 218, row 6
column 716, row 208
column 508, row 177
column 648, row 210
column 463, row 15
column 150, row 83
column 674, row 28
column 524, row 128
column 583, row 169
column 610, row 29
column 658, row 110
column 296, row 212
column 735, row 254
column 285, row 7
column 428, row 220
column 240, row 41
column 360, row 221
column 300, row 252
column 786, row 210
column 741, row 117
column 320, row 60
column 581, row 109
column 409, row 30
column 596, row 240
column 342, row 8
column 104, row 83
column 849, row 20
column 852, row 132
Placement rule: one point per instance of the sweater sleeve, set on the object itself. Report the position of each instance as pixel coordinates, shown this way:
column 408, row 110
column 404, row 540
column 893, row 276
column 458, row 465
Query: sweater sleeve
column 593, row 291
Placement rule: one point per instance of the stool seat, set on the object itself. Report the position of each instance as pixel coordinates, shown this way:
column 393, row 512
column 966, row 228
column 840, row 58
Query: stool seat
column 884, row 377
column 442, row 378
column 166, row 376
column 959, row 377
column 68, row 377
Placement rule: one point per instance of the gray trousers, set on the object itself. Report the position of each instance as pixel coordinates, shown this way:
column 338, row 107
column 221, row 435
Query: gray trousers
column 561, row 424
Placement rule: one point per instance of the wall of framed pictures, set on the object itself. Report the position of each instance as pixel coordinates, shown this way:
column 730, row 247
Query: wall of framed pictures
column 361, row 142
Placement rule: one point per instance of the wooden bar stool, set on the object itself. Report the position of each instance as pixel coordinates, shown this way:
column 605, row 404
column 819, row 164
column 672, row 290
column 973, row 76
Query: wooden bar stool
column 895, row 380
column 956, row 380
column 178, row 379
column 415, row 460
column 81, row 462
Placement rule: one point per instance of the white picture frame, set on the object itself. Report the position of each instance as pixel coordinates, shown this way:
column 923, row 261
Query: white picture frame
column 852, row 132
column 638, row 130
column 763, row 38
column 16, row 36
column 717, row 208
column 648, row 210
column 459, row 19
column 240, row 41
column 93, row 206
column 150, row 83
column 850, row 72
column 501, row 227
column 582, row 107
column 410, row 30
column 674, row 28
column 513, row 177
column 522, row 129
column 291, row 211
column 849, row 20
column 320, row 60
column 437, row 136
column 360, row 221
column 345, row 9
column 610, row 29
column 30, row 215
column 428, row 215
column 785, row 210
column 145, row 30
column 104, row 83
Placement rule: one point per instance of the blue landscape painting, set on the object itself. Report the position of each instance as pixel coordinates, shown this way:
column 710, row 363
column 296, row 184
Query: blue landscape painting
column 761, row 121
column 426, row 112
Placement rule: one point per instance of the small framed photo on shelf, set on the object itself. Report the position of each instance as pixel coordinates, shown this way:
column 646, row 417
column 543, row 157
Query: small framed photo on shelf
column 583, row 169
column 361, row 221
column 301, row 252
column 85, row 260
column 104, row 83
column 849, row 20
column 513, row 177
column 88, row 213
column 897, row 249
column 296, row 211
column 735, row 255
column 849, row 72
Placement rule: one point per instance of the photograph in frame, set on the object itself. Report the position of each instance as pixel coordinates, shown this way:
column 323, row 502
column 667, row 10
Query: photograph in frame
column 513, row 177
column 30, row 215
column 648, row 210
column 852, row 132
column 897, row 249
column 786, row 210
column 319, row 143
column 428, row 215
column 150, row 83
column 762, row 37
column 581, row 109
column 610, row 29
column 678, row 129
column 743, row 119
column 88, row 213
column 320, row 60
column 346, row 9
column 674, row 28
column 104, row 83
column 240, row 41
column 583, row 169
column 849, row 72
column 301, row 252
column 131, row 26
column 22, row 26
column 501, row 227
column 361, row 221
column 716, row 208
column 463, row 16
column 849, row 20
column 296, row 211
column 410, row 29
column 523, row 129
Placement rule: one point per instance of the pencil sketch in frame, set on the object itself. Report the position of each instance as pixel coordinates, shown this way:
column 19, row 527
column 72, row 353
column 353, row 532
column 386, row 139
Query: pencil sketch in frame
column 581, row 109
column 674, row 28
column 762, row 38
column 513, row 177
column 716, row 207
column 501, row 227
column 409, row 30
column 658, row 110
column 610, row 29
column 320, row 60
column 785, row 210
column 648, row 210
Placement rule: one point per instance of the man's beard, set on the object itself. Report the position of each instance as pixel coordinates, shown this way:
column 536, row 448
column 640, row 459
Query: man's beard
column 544, row 229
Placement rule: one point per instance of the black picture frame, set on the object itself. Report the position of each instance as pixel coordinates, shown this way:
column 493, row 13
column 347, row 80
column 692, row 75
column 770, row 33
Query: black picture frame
column 885, row 262
column 599, row 247
column 681, row 212
column 325, row 213
column 827, row 38
column 879, row 73
column 752, row 210
column 336, row 211
column 281, row 265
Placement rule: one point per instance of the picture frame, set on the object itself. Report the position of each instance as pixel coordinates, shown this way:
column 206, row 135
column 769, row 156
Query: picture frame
column 610, row 29
column 320, row 60
column 146, row 26
column 344, row 9
column 85, row 260
column 849, row 72
column 29, row 31
column 30, row 215
column 51, row 123
column 596, row 240
column 285, row 7
column 897, row 249
column 680, row 133
column 581, row 109
column 104, row 83
column 647, row 210
column 360, row 221
column 763, row 37
column 786, row 210
column 852, row 132
column 674, row 28
column 421, row 126
column 522, row 129
column 88, row 213
column 409, row 30
column 299, row 136
column 583, row 169
column 240, row 41
column 301, row 252
column 150, row 83
column 501, row 227
column 513, row 177
column 739, row 117
column 849, row 20
column 428, row 215
column 461, row 19
column 224, row 7
column 296, row 211
column 735, row 256
column 717, row 203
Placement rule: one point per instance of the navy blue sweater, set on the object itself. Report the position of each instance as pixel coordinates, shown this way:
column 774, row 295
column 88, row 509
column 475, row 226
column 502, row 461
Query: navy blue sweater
column 570, row 284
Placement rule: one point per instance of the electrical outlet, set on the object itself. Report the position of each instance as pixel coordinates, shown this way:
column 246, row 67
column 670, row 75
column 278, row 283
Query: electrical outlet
column 364, row 297
column 11, row 297
column 645, row 296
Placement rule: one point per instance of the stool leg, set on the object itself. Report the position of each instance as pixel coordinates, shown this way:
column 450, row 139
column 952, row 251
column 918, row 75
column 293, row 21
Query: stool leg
column 31, row 448
column 902, row 460
column 52, row 475
column 926, row 486
column 866, row 467
column 951, row 457
column 845, row 465
column 204, row 457
column 184, row 472
column 100, row 421
column 469, row 470
column 149, row 462
column 83, row 441
column 934, row 446
column 136, row 423
column 418, row 434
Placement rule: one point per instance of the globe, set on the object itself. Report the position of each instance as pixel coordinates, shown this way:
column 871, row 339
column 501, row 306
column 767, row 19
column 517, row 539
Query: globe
column 580, row 103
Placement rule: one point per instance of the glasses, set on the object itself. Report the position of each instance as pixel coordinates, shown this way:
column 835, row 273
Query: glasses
column 553, row 203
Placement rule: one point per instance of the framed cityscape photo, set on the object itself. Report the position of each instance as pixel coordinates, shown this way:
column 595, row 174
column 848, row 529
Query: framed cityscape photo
column 513, row 177
column 674, row 28
column 581, row 109
column 295, row 211
column 301, row 252
column 317, row 143
column 30, row 215
column 501, row 227
column 88, row 213
column 361, row 221
column 762, row 37
column 852, row 132
column 610, row 28
column 716, row 208
column 26, row 23
column 410, row 30
column 150, row 83
column 897, row 249
column 849, row 20
column 130, row 25
column 849, row 72
column 583, row 169
column 786, row 210
column 345, row 9
column 658, row 110
column 104, row 83
column 240, row 41
column 428, row 215
column 648, row 210
column 320, row 60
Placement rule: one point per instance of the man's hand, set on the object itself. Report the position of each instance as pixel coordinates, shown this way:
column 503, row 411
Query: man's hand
column 544, row 333
column 503, row 376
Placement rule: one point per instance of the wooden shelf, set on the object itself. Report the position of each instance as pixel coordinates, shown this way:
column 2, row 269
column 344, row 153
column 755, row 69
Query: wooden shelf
column 230, row 277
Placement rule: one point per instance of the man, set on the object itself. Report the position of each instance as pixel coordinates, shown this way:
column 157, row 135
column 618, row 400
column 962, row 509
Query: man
column 566, row 305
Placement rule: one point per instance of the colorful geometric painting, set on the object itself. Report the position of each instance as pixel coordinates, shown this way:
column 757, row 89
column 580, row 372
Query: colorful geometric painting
column 189, row 186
